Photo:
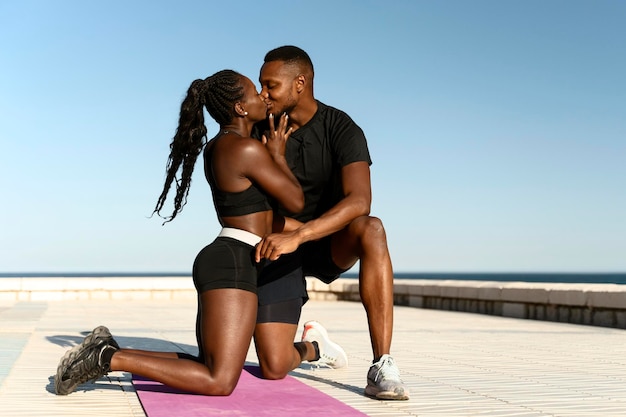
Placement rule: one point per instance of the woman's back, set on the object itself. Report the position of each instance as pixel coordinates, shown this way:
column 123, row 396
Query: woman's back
column 226, row 182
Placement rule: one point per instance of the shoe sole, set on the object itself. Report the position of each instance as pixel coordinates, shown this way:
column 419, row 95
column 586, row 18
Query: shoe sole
column 373, row 392
column 62, row 387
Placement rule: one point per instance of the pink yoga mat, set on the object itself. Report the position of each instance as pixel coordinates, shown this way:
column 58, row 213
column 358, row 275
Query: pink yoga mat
column 253, row 397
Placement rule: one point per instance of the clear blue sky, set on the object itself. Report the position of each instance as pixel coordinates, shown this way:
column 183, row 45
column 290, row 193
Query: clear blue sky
column 497, row 128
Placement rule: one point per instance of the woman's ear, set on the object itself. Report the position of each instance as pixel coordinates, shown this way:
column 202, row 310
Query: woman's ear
column 239, row 110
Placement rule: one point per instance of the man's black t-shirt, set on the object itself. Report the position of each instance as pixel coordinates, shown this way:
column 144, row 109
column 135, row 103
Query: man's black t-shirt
column 317, row 151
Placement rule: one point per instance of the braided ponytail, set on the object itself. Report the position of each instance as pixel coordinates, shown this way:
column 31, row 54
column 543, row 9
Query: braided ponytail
column 218, row 93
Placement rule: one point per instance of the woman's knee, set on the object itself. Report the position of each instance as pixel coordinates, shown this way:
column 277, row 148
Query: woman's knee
column 221, row 383
column 227, row 387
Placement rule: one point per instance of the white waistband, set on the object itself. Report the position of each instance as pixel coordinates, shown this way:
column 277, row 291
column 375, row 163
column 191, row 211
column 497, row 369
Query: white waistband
column 241, row 235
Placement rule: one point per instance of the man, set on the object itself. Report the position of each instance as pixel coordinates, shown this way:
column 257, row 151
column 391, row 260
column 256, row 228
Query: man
column 328, row 154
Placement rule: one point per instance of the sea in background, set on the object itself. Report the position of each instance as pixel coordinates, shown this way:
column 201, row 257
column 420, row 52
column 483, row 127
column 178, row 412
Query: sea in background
column 561, row 277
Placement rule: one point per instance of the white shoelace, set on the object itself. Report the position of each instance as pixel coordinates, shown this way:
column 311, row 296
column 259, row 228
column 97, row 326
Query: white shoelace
column 388, row 370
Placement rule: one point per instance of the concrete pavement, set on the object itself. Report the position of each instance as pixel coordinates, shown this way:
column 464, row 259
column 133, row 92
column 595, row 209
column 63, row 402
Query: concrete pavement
column 455, row 364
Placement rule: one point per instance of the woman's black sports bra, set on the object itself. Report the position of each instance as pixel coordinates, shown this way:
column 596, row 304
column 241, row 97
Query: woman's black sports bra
column 250, row 200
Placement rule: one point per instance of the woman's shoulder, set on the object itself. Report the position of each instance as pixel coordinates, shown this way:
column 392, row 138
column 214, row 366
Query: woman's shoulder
column 244, row 147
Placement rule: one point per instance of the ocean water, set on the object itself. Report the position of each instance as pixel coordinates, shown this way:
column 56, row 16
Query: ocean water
column 562, row 277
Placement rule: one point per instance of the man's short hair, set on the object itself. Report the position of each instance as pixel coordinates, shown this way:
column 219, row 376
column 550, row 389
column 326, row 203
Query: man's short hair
column 291, row 55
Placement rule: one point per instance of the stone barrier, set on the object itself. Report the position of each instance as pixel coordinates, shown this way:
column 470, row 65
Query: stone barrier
column 591, row 304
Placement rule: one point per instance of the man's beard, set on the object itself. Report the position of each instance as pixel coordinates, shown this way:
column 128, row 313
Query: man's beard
column 287, row 108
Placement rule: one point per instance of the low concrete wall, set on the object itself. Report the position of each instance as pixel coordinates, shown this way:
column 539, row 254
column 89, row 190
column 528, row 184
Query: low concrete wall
column 96, row 288
column 592, row 304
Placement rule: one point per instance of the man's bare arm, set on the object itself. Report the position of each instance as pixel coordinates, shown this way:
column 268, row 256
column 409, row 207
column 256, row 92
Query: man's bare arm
column 357, row 202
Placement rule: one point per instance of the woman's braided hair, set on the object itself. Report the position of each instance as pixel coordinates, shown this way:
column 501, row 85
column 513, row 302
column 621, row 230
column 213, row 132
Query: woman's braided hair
column 218, row 93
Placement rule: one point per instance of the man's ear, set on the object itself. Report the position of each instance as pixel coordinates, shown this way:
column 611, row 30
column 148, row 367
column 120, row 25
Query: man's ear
column 301, row 82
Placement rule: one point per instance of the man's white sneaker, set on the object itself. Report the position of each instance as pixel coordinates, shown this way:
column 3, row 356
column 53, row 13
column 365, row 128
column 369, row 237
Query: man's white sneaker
column 383, row 381
column 331, row 354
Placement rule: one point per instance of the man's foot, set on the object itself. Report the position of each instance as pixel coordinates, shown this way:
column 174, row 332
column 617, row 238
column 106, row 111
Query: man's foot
column 85, row 362
column 383, row 381
column 331, row 354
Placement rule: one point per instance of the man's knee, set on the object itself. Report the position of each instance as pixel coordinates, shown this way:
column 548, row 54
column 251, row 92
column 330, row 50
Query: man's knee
column 369, row 227
column 275, row 362
column 273, row 367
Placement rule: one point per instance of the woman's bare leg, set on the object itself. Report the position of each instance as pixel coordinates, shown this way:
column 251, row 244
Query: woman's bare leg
column 227, row 320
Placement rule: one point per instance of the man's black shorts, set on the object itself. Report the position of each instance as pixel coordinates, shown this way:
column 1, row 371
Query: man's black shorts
column 317, row 261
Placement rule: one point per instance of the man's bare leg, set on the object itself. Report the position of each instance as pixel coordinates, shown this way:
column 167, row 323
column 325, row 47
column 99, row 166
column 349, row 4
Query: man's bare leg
column 365, row 239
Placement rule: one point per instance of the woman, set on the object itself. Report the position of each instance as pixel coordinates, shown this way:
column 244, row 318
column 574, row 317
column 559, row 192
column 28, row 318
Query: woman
column 242, row 173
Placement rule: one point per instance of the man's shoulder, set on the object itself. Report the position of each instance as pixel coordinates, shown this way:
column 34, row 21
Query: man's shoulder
column 330, row 110
column 333, row 115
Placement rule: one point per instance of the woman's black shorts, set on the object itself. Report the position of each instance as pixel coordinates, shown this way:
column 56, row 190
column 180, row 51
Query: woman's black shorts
column 226, row 263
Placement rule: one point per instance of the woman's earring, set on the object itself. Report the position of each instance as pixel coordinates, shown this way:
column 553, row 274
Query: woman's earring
column 245, row 113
